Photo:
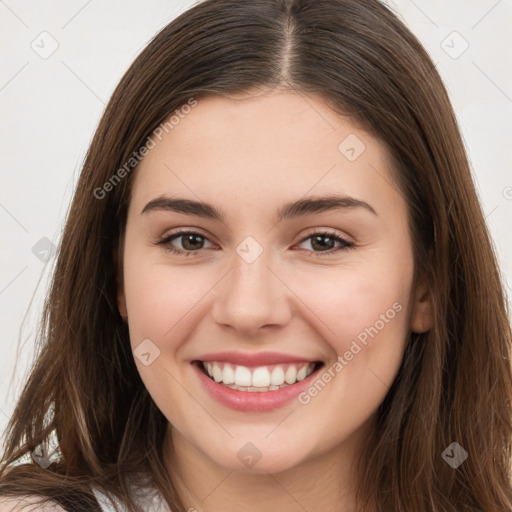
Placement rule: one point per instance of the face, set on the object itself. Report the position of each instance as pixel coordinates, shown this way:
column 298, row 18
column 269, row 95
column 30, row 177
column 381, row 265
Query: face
column 268, row 334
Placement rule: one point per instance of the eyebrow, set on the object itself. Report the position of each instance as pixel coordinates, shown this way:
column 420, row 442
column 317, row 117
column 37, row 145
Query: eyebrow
column 304, row 206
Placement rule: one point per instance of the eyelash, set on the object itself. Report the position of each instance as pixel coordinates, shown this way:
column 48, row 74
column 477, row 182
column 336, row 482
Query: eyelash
column 167, row 240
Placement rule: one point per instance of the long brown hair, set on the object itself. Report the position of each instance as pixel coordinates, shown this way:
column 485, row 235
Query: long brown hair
column 455, row 381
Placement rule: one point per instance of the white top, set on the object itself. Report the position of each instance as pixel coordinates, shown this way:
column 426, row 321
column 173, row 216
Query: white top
column 149, row 500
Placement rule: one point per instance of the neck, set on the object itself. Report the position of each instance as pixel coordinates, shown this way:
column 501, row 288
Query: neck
column 326, row 482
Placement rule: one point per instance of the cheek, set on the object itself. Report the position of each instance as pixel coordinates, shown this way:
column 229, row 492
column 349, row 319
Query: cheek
column 354, row 301
column 159, row 297
column 163, row 303
column 366, row 310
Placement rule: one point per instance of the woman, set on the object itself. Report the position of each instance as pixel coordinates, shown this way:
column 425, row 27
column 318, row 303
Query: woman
column 275, row 289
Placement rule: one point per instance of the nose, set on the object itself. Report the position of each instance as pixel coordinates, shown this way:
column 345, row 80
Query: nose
column 251, row 297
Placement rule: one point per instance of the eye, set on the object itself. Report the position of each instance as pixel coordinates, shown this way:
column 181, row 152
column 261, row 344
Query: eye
column 191, row 242
column 325, row 241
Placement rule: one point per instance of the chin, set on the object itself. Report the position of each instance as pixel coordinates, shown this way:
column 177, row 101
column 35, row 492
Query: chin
column 257, row 457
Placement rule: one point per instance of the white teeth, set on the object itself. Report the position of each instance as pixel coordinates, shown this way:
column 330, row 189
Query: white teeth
column 260, row 379
column 302, row 373
column 277, row 377
column 291, row 375
column 242, row 376
column 253, row 389
column 217, row 373
column 228, row 375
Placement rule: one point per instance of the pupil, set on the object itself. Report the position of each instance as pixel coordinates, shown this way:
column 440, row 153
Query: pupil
column 191, row 238
column 322, row 246
column 316, row 241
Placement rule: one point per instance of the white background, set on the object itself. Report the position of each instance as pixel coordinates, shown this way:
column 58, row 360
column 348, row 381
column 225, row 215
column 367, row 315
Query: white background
column 50, row 108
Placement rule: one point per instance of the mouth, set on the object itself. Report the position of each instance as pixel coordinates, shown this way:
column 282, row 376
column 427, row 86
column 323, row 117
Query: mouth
column 262, row 388
column 260, row 379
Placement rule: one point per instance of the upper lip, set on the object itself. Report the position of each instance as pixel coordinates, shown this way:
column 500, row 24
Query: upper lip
column 254, row 359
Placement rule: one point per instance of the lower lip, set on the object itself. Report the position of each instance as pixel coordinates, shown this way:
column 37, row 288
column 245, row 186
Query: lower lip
column 256, row 401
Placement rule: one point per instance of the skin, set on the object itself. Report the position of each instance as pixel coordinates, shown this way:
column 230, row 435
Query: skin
column 248, row 155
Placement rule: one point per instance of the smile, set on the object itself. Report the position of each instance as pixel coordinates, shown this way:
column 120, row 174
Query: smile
column 254, row 382
column 257, row 379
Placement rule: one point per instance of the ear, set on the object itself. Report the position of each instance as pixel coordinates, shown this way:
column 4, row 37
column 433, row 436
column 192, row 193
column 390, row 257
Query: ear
column 421, row 315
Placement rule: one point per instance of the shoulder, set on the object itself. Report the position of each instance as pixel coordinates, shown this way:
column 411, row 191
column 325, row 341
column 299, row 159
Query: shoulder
column 28, row 504
column 146, row 497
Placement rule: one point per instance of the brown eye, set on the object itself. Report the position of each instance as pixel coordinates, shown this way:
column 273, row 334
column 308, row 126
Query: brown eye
column 325, row 242
column 191, row 242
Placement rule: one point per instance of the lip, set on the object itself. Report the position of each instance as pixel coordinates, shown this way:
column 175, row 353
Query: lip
column 246, row 401
column 256, row 359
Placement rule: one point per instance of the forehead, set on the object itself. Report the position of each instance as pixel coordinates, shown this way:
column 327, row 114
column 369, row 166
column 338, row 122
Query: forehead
column 281, row 120
column 261, row 147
